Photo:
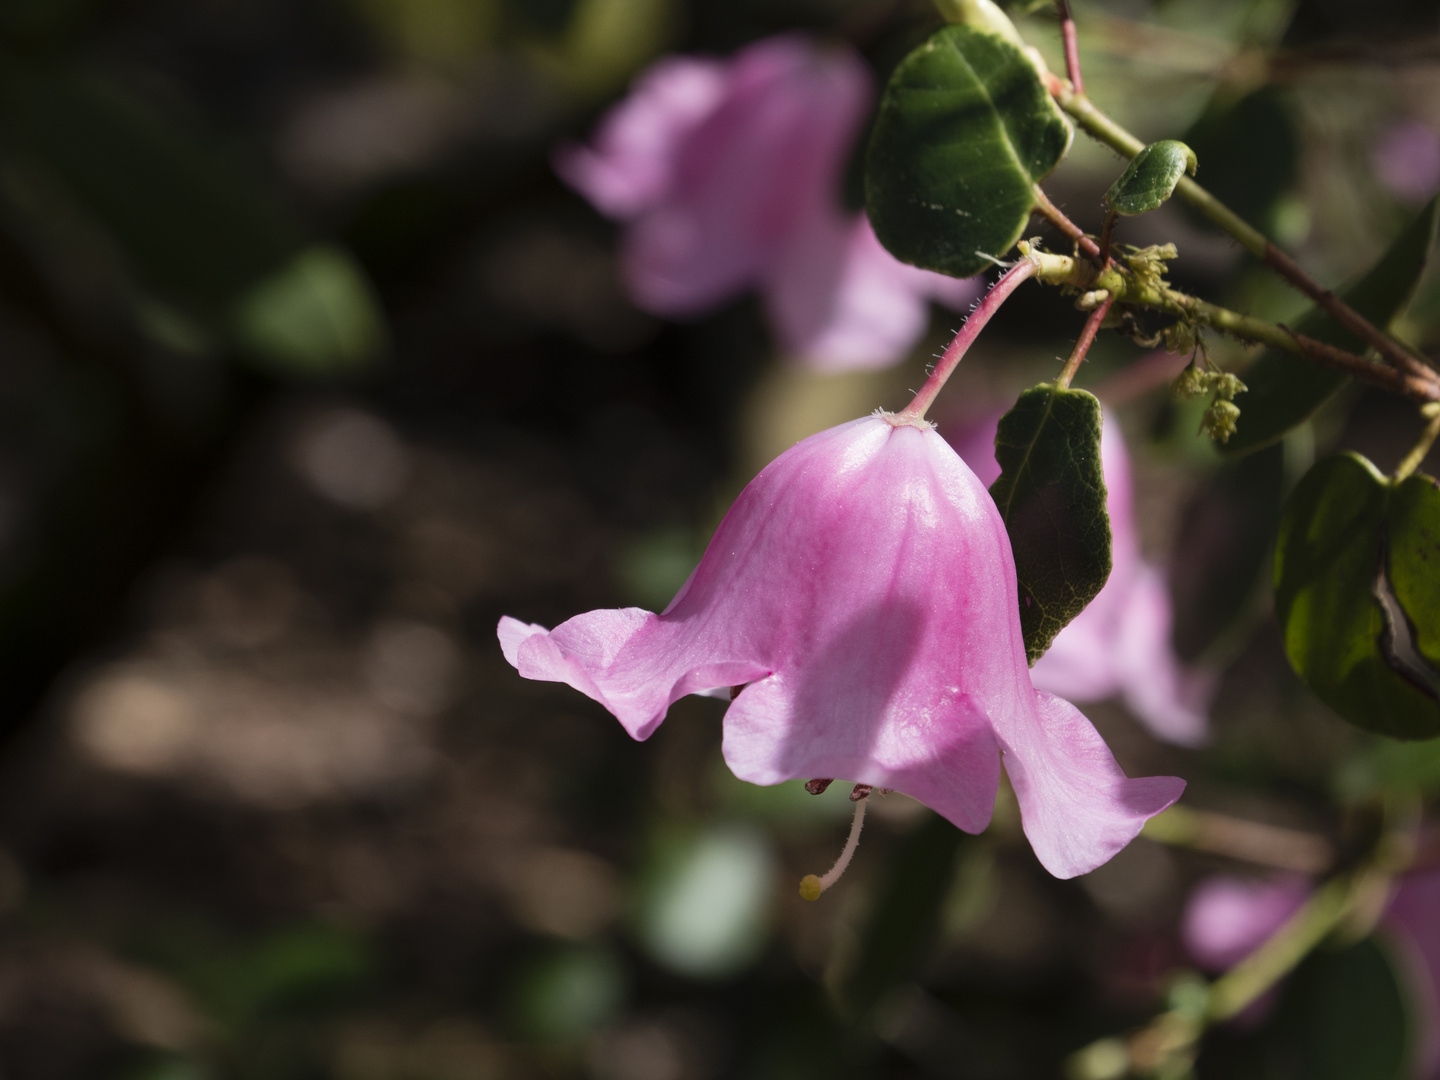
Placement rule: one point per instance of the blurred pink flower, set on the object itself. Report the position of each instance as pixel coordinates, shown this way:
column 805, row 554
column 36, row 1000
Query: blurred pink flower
column 1413, row 920
column 1406, row 158
column 1120, row 644
column 1228, row 918
column 727, row 173
column 862, row 586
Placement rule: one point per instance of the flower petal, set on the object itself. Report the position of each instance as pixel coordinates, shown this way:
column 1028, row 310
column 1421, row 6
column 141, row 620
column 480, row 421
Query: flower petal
column 1227, row 918
column 841, row 302
column 631, row 165
column 1077, row 806
column 949, row 761
column 1173, row 701
column 755, row 170
column 630, row 661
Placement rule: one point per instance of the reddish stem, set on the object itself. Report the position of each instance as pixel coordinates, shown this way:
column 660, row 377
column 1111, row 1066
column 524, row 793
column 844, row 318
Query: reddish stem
column 1053, row 214
column 1072, row 45
column 1082, row 346
column 950, row 359
column 1105, row 234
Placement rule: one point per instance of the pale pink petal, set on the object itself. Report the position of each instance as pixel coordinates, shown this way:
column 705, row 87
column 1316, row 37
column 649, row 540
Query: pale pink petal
column 633, row 663
column 1406, row 158
column 1413, row 917
column 832, row 724
column 513, row 633
column 630, row 166
column 1077, row 806
column 862, row 585
column 752, row 172
column 841, row 302
column 1080, row 662
column 1228, row 918
column 1120, row 643
column 1171, row 699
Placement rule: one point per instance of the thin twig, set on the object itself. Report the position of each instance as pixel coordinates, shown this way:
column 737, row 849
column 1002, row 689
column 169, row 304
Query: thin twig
column 1422, row 386
column 1086, row 339
column 1417, row 453
column 1072, row 45
column 1053, row 214
column 1106, row 232
column 1237, row 838
column 1343, row 313
column 1113, row 135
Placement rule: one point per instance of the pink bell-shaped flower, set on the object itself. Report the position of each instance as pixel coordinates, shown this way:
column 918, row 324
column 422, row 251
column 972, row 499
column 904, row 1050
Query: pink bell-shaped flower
column 1120, row 643
column 863, row 591
column 1227, row 918
column 727, row 174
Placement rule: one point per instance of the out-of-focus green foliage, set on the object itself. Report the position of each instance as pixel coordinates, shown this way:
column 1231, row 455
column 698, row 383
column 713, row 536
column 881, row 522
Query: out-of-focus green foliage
column 1283, row 390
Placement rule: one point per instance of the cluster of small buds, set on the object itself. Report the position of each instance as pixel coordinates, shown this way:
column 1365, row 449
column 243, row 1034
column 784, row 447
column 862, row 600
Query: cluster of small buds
column 1148, row 264
column 1197, row 379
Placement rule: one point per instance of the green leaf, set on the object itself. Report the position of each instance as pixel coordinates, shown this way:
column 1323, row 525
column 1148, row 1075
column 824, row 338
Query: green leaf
column 964, row 131
column 1345, row 535
column 314, row 316
column 195, row 228
column 1284, row 390
column 1344, row 1014
column 1413, row 532
column 1151, row 177
column 1051, row 495
column 1347, row 1016
column 212, row 249
column 1251, row 151
column 906, row 915
column 1222, row 560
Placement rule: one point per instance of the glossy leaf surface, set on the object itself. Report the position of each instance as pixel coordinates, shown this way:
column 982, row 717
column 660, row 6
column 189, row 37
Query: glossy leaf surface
column 964, row 131
column 1051, row 494
column 1284, row 390
column 1150, row 178
column 1366, row 647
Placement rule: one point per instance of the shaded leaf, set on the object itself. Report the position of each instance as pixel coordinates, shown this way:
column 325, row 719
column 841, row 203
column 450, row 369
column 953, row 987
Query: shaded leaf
column 1150, row 178
column 217, row 249
column 193, row 225
column 1221, row 564
column 1284, row 390
column 1347, row 633
column 964, row 131
column 1413, row 532
column 1051, row 495
column 1344, row 1013
column 315, row 315
column 906, row 917
column 1251, row 152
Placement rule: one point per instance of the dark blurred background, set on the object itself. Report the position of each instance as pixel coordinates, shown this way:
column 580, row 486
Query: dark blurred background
column 310, row 369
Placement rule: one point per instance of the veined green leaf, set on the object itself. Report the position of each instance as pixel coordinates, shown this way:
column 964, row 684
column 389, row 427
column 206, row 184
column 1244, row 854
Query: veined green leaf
column 1150, row 178
column 1354, row 592
column 1051, row 495
column 965, row 130
column 1285, row 390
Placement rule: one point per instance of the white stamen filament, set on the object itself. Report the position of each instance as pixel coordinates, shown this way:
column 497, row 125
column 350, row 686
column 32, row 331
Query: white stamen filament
column 811, row 886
